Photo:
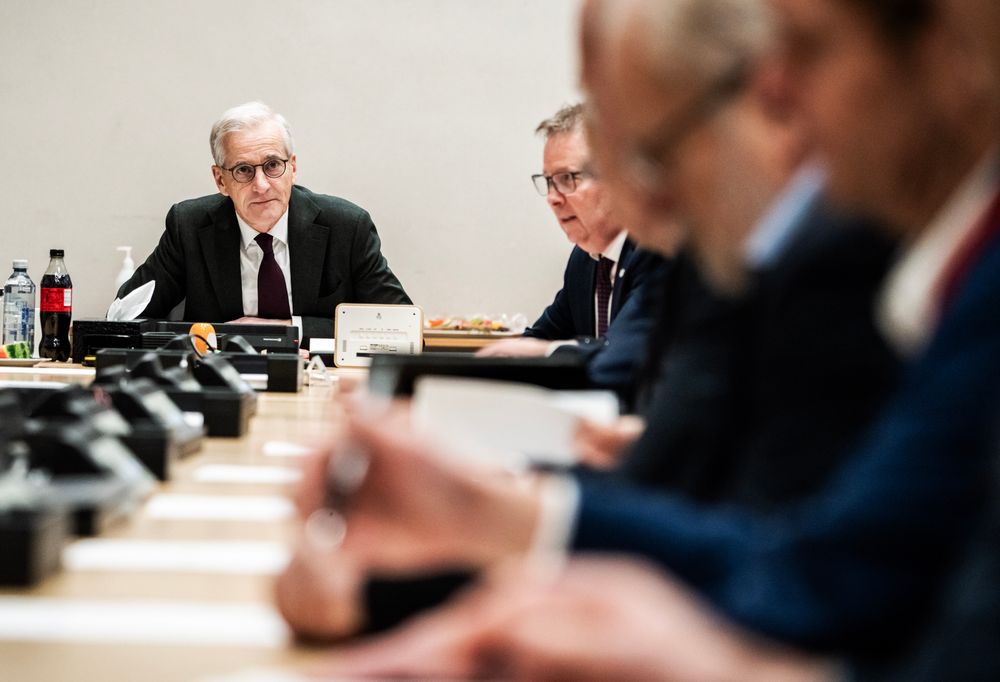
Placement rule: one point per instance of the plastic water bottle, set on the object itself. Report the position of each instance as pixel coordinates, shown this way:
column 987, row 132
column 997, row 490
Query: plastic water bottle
column 19, row 306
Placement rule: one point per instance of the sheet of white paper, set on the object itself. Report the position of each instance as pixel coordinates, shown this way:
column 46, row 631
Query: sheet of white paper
column 277, row 448
column 508, row 417
column 219, row 507
column 35, row 619
column 130, row 307
column 240, row 473
column 244, row 558
column 264, row 675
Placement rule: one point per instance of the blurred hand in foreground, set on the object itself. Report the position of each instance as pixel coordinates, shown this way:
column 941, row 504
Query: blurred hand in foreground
column 421, row 507
column 521, row 347
column 598, row 619
column 602, row 446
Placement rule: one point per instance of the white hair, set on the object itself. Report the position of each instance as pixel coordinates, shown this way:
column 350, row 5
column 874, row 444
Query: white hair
column 245, row 116
column 695, row 39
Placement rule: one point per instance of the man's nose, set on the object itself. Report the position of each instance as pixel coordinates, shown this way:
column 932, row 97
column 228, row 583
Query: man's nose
column 554, row 196
column 260, row 181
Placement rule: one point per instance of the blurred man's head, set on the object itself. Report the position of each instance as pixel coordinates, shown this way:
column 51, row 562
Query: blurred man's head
column 684, row 129
column 576, row 197
column 890, row 98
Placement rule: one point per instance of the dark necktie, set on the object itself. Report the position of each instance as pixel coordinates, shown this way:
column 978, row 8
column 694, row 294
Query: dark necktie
column 602, row 289
column 272, row 295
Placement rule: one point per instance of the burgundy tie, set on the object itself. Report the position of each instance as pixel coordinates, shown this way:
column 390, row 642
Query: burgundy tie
column 272, row 295
column 602, row 289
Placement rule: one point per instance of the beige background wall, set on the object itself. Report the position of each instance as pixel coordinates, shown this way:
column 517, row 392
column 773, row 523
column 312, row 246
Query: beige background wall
column 421, row 111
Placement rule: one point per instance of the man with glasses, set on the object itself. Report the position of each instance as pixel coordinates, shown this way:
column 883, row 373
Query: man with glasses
column 605, row 275
column 264, row 250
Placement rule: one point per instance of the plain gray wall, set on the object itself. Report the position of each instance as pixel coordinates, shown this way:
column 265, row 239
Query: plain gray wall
column 421, row 111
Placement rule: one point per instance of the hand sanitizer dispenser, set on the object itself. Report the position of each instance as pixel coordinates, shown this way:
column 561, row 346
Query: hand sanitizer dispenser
column 128, row 267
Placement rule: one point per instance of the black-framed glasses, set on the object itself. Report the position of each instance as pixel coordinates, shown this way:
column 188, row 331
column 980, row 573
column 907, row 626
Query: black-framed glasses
column 650, row 159
column 246, row 172
column 565, row 183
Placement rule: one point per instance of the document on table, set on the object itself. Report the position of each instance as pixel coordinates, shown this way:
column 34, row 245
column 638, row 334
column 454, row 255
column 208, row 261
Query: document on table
column 510, row 423
column 170, row 556
column 219, row 507
column 46, row 619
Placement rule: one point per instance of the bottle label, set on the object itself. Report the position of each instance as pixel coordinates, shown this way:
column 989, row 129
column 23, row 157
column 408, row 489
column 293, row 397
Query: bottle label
column 57, row 300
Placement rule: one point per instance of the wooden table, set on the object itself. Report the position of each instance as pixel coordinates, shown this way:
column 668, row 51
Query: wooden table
column 303, row 419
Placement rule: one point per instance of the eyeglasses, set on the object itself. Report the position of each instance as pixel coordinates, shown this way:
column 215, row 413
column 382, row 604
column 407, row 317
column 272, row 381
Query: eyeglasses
column 649, row 160
column 246, row 172
column 565, row 183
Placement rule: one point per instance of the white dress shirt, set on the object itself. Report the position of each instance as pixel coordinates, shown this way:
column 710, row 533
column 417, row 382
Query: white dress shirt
column 251, row 256
column 908, row 309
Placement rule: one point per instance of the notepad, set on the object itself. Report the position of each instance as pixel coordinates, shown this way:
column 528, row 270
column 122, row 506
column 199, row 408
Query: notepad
column 277, row 448
column 238, row 473
column 498, row 419
column 38, row 619
column 231, row 557
column 219, row 507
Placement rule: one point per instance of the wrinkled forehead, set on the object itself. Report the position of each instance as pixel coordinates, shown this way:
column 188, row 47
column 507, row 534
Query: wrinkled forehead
column 254, row 142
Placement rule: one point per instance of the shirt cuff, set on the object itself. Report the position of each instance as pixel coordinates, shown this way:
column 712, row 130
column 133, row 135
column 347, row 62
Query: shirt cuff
column 556, row 345
column 297, row 322
column 559, row 498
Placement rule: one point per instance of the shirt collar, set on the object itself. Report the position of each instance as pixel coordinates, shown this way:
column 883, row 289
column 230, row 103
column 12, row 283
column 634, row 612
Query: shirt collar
column 908, row 310
column 248, row 234
column 614, row 250
column 775, row 229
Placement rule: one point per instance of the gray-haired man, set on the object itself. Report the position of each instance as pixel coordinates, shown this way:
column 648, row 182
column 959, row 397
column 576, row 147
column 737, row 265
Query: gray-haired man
column 264, row 249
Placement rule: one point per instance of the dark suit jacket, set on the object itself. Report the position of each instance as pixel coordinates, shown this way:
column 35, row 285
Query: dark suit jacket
column 960, row 643
column 796, row 366
column 334, row 252
column 571, row 313
column 856, row 565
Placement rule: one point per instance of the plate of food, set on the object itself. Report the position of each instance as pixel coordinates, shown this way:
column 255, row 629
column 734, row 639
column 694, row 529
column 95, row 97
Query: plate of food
column 18, row 355
column 475, row 325
column 22, row 362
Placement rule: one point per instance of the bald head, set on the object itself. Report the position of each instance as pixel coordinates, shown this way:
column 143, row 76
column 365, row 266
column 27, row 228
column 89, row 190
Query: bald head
column 679, row 127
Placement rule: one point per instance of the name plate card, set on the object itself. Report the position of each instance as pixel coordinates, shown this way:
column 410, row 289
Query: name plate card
column 362, row 331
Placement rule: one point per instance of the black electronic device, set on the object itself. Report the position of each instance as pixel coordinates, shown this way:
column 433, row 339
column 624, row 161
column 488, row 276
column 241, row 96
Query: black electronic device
column 93, row 474
column 273, row 338
column 136, row 412
column 284, row 371
column 91, row 336
column 394, row 375
column 219, row 393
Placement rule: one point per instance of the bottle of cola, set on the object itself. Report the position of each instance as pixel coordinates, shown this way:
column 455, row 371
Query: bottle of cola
column 55, row 309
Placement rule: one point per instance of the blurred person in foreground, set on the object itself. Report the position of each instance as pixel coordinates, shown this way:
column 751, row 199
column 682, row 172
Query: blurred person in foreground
column 606, row 618
column 603, row 312
column 810, row 385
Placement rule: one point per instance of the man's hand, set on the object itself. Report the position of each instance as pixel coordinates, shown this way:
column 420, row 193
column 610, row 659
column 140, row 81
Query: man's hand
column 602, row 446
column 522, row 347
column 259, row 320
column 420, row 508
column 600, row 619
column 319, row 593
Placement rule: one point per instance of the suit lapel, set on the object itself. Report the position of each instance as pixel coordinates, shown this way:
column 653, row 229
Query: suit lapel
column 306, row 250
column 220, row 242
column 624, row 265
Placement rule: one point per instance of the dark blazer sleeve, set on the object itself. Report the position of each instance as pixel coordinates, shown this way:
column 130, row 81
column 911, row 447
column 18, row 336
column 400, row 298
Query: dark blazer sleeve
column 371, row 280
column 567, row 316
column 167, row 266
column 856, row 565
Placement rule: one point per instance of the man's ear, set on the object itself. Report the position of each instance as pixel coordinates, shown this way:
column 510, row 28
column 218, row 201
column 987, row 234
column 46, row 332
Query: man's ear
column 217, row 176
column 293, row 162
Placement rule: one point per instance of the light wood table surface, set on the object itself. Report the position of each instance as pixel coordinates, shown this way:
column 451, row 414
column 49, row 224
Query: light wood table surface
column 305, row 419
